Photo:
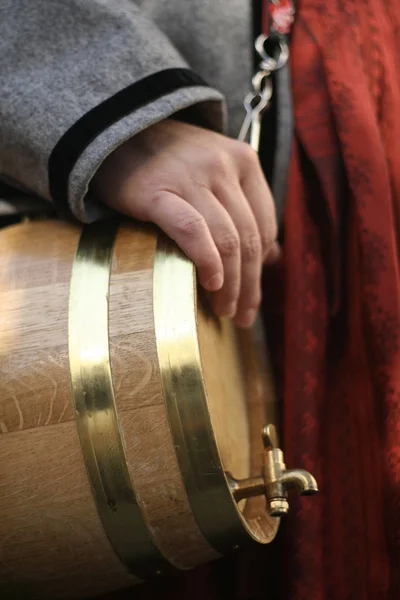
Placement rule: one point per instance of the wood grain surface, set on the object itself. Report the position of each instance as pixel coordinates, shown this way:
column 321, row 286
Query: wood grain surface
column 52, row 544
column 240, row 404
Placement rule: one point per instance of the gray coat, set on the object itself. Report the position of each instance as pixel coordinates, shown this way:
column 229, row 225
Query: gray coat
column 79, row 77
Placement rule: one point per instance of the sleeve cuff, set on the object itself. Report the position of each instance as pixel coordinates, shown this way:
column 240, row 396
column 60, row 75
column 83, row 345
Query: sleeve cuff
column 81, row 150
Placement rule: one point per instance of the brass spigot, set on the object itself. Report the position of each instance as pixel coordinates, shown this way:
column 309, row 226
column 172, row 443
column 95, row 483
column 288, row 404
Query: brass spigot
column 275, row 480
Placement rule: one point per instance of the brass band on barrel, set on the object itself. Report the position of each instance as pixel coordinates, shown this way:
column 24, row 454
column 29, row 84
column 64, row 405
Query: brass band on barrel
column 93, row 395
column 212, row 504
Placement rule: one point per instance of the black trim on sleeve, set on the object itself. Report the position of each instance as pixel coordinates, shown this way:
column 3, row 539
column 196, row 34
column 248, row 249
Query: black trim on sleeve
column 74, row 141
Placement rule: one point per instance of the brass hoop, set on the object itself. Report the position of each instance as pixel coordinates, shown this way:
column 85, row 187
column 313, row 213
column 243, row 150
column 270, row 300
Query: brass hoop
column 96, row 416
column 174, row 302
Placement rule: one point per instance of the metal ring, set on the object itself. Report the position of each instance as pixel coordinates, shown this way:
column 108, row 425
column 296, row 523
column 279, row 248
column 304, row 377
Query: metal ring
column 261, row 81
column 96, row 416
column 262, row 85
column 272, row 63
column 174, row 305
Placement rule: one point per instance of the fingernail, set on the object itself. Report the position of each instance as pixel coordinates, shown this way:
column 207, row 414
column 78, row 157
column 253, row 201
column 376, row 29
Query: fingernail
column 226, row 311
column 248, row 318
column 214, row 283
column 274, row 254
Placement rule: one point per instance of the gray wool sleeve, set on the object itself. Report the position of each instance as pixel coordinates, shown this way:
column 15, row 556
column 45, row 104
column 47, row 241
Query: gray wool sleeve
column 77, row 79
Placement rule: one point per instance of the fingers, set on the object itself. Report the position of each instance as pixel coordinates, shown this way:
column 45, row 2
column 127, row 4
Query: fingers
column 259, row 197
column 227, row 242
column 188, row 228
column 232, row 198
column 219, row 232
column 223, row 243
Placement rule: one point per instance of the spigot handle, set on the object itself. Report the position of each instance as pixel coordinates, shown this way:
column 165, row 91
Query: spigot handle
column 270, row 436
column 275, row 480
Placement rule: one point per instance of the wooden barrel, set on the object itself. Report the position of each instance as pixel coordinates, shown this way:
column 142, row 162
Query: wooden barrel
column 123, row 404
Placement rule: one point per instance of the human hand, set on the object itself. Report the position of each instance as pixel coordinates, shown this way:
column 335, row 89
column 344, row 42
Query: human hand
column 208, row 193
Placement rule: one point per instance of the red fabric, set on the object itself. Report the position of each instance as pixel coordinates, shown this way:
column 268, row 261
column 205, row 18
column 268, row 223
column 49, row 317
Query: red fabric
column 341, row 330
column 338, row 341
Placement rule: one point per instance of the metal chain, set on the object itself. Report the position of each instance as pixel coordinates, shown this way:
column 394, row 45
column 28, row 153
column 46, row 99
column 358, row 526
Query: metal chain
column 258, row 99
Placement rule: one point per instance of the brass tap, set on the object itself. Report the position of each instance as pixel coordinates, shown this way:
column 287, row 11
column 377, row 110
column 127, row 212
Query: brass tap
column 276, row 480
